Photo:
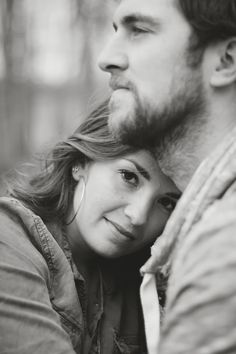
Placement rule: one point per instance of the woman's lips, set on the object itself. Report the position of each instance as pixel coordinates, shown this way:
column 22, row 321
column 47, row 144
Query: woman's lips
column 122, row 230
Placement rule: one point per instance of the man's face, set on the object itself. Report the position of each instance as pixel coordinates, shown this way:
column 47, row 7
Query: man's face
column 153, row 84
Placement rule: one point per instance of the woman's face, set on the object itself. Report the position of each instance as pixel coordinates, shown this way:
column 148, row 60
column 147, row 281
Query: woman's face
column 125, row 206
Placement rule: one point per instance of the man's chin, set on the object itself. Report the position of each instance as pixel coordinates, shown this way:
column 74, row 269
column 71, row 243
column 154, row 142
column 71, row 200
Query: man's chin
column 127, row 130
column 121, row 113
column 117, row 124
column 128, row 121
column 121, row 98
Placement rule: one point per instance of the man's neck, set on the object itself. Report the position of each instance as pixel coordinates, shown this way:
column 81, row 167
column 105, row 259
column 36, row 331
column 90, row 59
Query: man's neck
column 179, row 157
column 179, row 160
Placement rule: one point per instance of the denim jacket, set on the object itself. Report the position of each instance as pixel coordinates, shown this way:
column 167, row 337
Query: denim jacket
column 42, row 294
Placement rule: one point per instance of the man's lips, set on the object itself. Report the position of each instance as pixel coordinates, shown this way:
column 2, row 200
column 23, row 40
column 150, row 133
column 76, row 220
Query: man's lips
column 118, row 85
column 121, row 230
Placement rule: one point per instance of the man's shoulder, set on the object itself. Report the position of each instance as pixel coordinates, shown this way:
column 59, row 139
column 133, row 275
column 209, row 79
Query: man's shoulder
column 216, row 228
column 223, row 209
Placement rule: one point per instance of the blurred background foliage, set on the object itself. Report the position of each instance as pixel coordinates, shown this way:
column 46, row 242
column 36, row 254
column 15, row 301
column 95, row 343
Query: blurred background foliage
column 49, row 78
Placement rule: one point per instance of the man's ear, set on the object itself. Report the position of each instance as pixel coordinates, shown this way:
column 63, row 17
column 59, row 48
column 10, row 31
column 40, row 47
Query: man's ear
column 224, row 73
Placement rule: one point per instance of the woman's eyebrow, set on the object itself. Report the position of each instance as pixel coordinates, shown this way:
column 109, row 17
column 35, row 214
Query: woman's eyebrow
column 140, row 169
column 173, row 195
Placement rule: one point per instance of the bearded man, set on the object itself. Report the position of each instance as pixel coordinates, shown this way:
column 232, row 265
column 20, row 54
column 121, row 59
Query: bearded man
column 172, row 65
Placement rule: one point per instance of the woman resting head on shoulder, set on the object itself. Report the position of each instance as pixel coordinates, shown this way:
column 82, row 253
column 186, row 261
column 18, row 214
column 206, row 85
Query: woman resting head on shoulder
column 65, row 230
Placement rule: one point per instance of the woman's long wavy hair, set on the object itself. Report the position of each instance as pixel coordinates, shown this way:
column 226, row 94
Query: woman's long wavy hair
column 49, row 192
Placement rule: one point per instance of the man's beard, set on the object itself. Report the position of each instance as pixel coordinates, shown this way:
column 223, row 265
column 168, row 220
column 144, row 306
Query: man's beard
column 172, row 131
column 146, row 126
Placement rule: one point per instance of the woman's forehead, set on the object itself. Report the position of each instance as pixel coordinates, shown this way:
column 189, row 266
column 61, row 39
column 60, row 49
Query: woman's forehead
column 145, row 157
column 147, row 161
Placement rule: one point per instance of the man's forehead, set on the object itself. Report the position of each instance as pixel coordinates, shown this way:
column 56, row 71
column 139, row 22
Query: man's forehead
column 145, row 7
column 162, row 12
column 153, row 3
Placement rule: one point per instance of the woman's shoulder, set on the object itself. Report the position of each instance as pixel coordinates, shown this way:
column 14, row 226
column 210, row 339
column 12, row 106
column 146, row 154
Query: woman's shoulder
column 11, row 204
column 22, row 230
column 19, row 232
column 13, row 213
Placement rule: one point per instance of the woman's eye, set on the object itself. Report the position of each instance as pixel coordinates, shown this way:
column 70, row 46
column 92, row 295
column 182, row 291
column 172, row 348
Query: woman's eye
column 167, row 203
column 129, row 177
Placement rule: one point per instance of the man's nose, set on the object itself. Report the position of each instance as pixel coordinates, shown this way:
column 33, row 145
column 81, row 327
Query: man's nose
column 113, row 57
column 138, row 212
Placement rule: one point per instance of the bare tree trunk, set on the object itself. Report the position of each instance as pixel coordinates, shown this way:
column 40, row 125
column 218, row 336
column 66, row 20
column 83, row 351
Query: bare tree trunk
column 14, row 92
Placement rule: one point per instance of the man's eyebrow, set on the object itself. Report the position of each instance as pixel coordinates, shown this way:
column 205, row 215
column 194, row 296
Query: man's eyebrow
column 140, row 169
column 137, row 17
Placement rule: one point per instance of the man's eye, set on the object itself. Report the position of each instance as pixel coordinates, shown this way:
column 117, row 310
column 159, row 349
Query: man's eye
column 129, row 177
column 167, row 203
column 137, row 30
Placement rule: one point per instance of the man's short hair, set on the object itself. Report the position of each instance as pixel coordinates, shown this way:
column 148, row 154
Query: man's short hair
column 211, row 20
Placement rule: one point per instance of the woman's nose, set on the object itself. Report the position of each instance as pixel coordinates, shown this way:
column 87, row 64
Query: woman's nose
column 113, row 57
column 138, row 212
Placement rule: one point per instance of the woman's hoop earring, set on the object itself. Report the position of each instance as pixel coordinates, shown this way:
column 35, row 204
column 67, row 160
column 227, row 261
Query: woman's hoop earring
column 80, row 202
